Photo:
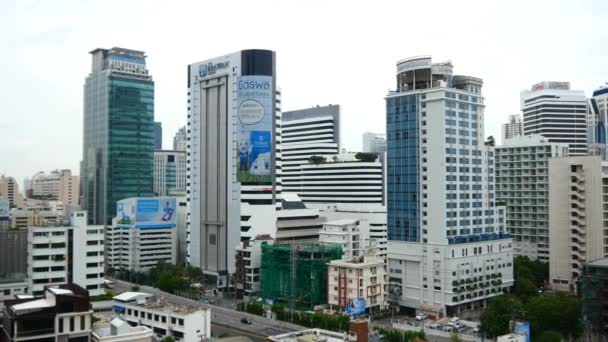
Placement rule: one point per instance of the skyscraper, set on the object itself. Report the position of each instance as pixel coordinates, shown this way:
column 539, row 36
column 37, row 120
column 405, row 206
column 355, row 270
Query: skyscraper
column 597, row 123
column 558, row 113
column 180, row 140
column 513, row 127
column 118, row 135
column 374, row 142
column 158, row 135
column 444, row 227
column 231, row 120
column 169, row 172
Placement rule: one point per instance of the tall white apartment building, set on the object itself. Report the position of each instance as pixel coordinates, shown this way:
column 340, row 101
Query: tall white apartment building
column 597, row 122
column 374, row 142
column 522, row 185
column 448, row 249
column 232, row 158
column 169, row 172
column 558, row 113
column 180, row 140
column 305, row 133
column 9, row 190
column 578, row 217
column 66, row 254
column 358, row 279
column 58, row 185
column 345, row 233
column 372, row 222
column 513, row 128
column 341, row 179
column 142, row 234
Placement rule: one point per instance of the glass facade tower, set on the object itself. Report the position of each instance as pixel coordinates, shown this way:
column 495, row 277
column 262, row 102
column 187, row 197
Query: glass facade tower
column 118, row 135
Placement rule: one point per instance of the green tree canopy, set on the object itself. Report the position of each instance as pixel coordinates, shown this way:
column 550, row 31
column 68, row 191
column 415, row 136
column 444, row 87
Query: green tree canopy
column 550, row 336
column 366, row 157
column 557, row 312
column 316, row 160
column 502, row 309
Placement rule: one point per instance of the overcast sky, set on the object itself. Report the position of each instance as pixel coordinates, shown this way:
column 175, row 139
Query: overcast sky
column 338, row 52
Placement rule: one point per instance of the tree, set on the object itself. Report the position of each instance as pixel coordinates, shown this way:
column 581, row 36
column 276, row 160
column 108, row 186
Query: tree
column 366, row 157
column 550, row 336
column 316, row 160
column 490, row 141
column 558, row 312
column 502, row 309
column 168, row 339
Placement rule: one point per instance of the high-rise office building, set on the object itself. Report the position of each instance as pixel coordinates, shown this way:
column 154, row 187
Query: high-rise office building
column 231, row 125
column 578, row 215
column 158, row 135
column 9, row 190
column 180, row 140
column 597, row 122
column 374, row 142
column 169, row 172
column 522, row 185
column 513, row 128
column 444, row 227
column 558, row 113
column 118, row 144
column 308, row 132
column 59, row 185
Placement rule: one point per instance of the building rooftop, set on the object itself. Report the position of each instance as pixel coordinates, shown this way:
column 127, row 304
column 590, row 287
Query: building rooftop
column 118, row 327
column 360, row 261
column 599, row 262
column 313, row 335
column 341, row 222
column 131, row 296
column 160, row 304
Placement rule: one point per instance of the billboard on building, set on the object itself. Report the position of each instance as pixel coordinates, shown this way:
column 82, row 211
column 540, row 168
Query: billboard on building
column 154, row 212
column 356, row 307
column 5, row 209
column 256, row 115
column 522, row 328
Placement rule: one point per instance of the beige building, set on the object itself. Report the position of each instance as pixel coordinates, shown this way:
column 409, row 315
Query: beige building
column 9, row 189
column 578, row 217
column 356, row 278
column 58, row 185
column 28, row 218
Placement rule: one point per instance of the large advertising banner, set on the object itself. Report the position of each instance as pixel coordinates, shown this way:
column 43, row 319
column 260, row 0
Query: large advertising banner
column 256, row 115
column 147, row 212
column 522, row 328
column 5, row 209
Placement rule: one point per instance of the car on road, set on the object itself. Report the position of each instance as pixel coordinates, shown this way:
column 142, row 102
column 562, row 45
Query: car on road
column 421, row 317
column 476, row 329
column 434, row 326
column 245, row 321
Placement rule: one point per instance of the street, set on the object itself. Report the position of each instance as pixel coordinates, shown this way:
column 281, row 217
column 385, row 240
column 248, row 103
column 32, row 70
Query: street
column 222, row 319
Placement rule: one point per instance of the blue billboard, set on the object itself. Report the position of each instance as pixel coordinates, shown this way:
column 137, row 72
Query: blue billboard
column 356, row 307
column 5, row 209
column 522, row 328
column 147, row 213
column 256, row 115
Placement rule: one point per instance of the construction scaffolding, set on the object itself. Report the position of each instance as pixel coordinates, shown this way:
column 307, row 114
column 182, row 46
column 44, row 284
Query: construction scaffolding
column 296, row 274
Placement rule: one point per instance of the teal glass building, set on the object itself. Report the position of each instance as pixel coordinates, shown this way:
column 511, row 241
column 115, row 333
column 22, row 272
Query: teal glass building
column 118, row 135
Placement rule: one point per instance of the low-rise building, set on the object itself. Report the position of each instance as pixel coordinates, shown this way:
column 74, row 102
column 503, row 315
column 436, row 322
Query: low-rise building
column 9, row 288
column 34, row 217
column 118, row 331
column 345, row 233
column 511, row 338
column 593, row 292
column 296, row 222
column 142, row 234
column 248, row 265
column 313, row 335
column 62, row 314
column 357, row 279
column 186, row 323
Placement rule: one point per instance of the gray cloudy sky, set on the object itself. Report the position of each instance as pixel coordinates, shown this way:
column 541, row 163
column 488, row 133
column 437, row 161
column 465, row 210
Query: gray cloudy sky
column 340, row 52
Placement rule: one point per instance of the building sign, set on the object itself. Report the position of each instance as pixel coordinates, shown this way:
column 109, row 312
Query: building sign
column 150, row 213
column 412, row 64
column 522, row 328
column 256, row 115
column 551, row 85
column 5, row 209
column 356, row 307
column 208, row 69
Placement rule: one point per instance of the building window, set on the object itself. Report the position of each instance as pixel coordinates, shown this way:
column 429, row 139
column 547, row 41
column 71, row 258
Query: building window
column 72, row 324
